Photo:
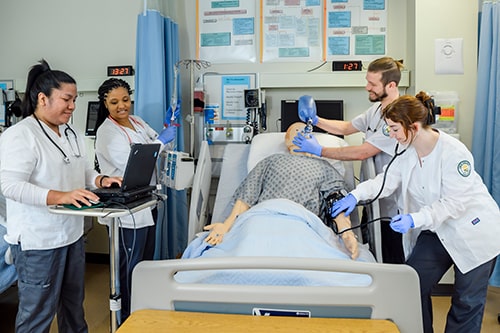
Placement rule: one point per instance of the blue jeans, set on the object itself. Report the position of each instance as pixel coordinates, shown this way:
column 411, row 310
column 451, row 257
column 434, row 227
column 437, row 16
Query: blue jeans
column 50, row 282
column 431, row 261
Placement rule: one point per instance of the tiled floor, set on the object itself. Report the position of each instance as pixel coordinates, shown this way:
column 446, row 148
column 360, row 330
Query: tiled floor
column 97, row 305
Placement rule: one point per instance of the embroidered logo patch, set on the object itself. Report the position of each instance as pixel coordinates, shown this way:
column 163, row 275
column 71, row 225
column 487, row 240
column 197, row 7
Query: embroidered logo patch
column 386, row 129
column 464, row 168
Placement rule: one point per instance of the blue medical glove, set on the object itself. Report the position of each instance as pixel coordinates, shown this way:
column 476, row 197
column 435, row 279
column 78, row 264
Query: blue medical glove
column 307, row 109
column 346, row 204
column 167, row 134
column 402, row 223
column 209, row 116
column 168, row 115
column 307, row 145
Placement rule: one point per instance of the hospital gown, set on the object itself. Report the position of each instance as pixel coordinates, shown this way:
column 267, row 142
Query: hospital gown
column 304, row 180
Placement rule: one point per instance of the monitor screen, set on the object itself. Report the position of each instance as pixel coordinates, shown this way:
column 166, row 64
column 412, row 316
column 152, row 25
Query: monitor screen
column 328, row 109
column 92, row 110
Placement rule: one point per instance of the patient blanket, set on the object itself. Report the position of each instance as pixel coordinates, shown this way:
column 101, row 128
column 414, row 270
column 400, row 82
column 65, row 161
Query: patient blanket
column 278, row 228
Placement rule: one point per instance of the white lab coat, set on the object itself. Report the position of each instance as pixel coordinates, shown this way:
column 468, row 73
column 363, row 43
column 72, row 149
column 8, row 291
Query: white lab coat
column 453, row 202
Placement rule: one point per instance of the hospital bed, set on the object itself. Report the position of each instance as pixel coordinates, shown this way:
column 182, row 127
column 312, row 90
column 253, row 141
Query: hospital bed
column 280, row 269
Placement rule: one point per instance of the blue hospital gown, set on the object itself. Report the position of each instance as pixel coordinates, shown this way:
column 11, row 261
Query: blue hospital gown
column 304, row 180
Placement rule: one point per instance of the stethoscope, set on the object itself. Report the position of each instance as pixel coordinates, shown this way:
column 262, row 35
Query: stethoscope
column 396, row 154
column 67, row 132
column 365, row 203
column 369, row 129
column 135, row 122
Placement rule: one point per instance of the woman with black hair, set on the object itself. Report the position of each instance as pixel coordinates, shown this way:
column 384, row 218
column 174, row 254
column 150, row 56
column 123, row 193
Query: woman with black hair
column 43, row 162
column 117, row 129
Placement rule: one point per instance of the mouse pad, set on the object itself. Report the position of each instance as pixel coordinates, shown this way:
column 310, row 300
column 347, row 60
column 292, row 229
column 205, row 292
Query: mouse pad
column 71, row 206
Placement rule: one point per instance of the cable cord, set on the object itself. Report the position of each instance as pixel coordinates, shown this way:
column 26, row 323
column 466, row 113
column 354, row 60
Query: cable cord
column 382, row 219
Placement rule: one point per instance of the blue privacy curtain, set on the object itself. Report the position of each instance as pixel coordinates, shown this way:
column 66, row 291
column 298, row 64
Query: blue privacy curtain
column 486, row 130
column 157, row 52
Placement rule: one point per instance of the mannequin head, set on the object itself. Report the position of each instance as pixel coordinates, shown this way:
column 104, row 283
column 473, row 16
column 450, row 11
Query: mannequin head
column 291, row 132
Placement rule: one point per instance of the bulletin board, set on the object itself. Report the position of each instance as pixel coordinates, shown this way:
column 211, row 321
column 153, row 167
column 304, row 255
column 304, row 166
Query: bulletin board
column 225, row 94
column 290, row 30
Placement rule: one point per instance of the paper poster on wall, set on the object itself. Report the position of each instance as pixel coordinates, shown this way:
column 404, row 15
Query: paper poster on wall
column 291, row 30
column 355, row 28
column 226, row 31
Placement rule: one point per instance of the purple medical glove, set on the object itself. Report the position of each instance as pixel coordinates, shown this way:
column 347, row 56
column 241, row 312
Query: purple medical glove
column 168, row 115
column 346, row 204
column 307, row 145
column 307, row 109
column 402, row 223
column 167, row 134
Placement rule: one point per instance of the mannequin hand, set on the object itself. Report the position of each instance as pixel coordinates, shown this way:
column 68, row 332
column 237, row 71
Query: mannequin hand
column 346, row 204
column 168, row 115
column 402, row 223
column 217, row 232
column 307, row 109
column 307, row 145
column 167, row 134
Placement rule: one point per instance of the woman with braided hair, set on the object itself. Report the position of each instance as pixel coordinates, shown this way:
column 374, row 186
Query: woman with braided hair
column 117, row 129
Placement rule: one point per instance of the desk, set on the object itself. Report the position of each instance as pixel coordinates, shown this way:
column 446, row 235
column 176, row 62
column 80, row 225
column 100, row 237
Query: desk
column 114, row 253
column 153, row 321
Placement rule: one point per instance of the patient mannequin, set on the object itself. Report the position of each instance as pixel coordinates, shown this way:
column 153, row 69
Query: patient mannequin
column 300, row 177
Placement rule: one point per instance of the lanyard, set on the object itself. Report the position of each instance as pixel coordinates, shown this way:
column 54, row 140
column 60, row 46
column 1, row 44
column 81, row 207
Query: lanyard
column 135, row 122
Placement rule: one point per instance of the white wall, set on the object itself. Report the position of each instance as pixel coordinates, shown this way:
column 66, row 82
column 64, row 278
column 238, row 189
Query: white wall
column 79, row 37
column 448, row 19
column 84, row 37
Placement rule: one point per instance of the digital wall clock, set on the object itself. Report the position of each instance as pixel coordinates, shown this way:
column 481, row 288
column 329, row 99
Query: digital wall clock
column 120, row 70
column 347, row 65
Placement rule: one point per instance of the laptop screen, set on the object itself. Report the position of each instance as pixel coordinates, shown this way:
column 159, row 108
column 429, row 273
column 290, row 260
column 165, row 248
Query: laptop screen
column 140, row 166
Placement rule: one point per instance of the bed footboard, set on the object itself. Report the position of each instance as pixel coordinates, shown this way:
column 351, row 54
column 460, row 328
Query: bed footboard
column 393, row 294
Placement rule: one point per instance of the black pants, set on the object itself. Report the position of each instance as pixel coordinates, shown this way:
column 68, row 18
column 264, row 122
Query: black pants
column 135, row 245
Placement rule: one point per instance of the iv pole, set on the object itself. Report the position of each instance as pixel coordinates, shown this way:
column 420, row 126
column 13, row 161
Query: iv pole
column 191, row 64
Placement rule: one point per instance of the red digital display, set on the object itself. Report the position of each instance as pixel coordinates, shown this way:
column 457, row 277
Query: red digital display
column 347, row 66
column 120, row 70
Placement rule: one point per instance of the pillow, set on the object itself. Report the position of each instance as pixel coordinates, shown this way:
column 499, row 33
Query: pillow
column 266, row 144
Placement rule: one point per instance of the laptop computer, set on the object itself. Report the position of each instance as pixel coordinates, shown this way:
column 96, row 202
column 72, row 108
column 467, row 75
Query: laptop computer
column 137, row 177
